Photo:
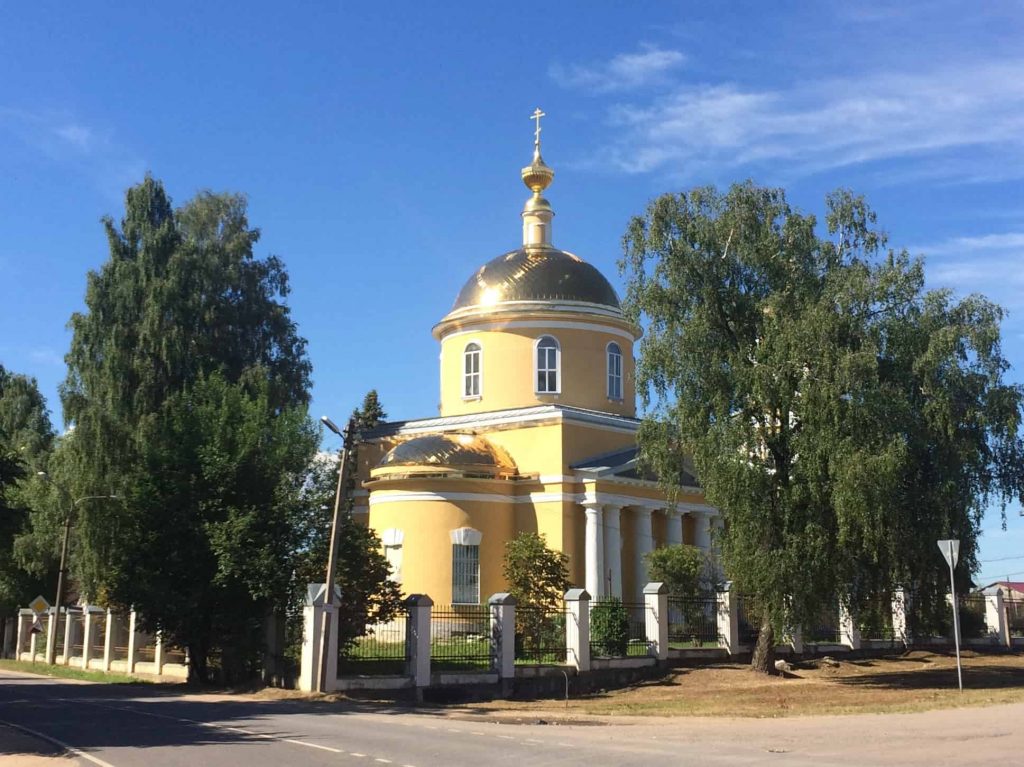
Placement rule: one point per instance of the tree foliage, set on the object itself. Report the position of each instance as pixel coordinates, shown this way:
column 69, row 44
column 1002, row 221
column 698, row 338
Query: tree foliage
column 187, row 386
column 684, row 569
column 842, row 417
column 537, row 576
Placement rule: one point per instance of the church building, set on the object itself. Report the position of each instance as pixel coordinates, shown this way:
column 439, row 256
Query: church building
column 536, row 432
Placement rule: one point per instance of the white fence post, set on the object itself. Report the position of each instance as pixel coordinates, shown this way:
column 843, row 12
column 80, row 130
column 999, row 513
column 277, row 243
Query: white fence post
column 796, row 639
column 24, row 626
column 108, row 640
column 656, row 619
column 52, row 627
column 158, row 654
column 577, row 629
column 133, row 642
column 420, row 607
column 995, row 618
column 87, row 628
column 849, row 632
column 728, row 618
column 900, row 608
column 503, row 634
column 69, row 634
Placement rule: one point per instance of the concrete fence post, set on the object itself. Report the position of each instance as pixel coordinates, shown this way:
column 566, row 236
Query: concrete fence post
column 503, row 634
column 69, row 635
column 108, row 640
column 796, row 639
column 87, row 629
column 52, row 627
column 158, row 655
column 656, row 619
column 995, row 618
column 133, row 642
column 313, row 612
column 577, row 629
column 900, row 610
column 849, row 632
column 10, row 637
column 420, row 607
column 24, row 625
column 728, row 618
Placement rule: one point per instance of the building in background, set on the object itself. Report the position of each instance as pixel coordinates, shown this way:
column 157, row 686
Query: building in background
column 536, row 432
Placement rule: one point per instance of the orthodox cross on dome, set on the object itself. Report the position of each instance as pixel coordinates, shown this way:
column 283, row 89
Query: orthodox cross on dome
column 537, row 114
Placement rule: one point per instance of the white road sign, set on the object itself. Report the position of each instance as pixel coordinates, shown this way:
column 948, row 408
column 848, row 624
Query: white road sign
column 951, row 551
column 39, row 605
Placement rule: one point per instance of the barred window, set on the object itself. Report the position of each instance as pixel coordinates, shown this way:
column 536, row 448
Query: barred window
column 471, row 371
column 393, row 554
column 548, row 353
column 614, row 371
column 465, row 574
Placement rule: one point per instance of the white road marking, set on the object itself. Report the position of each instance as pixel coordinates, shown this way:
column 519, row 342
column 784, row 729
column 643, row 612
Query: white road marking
column 382, row 761
column 353, row 753
column 313, row 745
column 59, row 744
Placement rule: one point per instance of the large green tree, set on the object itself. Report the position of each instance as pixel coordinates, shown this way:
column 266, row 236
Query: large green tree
column 187, row 387
column 26, row 440
column 842, row 417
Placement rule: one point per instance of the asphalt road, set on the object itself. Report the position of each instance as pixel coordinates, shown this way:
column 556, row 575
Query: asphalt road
column 115, row 726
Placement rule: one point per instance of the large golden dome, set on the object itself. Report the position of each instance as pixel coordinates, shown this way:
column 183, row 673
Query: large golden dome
column 536, row 274
column 468, row 452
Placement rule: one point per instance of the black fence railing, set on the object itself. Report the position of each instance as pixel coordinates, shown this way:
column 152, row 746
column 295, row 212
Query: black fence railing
column 824, row 629
column 972, row 616
column 618, row 629
column 693, row 621
column 460, row 638
column 383, row 649
column 874, row 620
column 929, row 615
column 749, row 618
column 540, row 636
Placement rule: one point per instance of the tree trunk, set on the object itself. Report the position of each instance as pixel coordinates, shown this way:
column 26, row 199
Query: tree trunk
column 198, row 672
column 763, row 659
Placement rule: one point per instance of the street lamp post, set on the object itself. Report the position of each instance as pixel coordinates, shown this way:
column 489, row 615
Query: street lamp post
column 51, row 636
column 347, row 437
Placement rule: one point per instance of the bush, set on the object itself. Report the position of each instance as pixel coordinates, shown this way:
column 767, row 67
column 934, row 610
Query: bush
column 609, row 628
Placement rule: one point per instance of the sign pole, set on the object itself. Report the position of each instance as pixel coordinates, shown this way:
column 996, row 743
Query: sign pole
column 950, row 551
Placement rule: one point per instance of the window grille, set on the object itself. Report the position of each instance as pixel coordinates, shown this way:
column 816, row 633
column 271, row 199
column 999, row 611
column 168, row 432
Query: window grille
column 547, row 365
column 471, row 377
column 614, row 371
column 465, row 574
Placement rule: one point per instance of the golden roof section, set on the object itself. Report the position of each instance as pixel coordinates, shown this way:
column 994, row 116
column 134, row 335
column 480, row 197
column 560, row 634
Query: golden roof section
column 467, row 453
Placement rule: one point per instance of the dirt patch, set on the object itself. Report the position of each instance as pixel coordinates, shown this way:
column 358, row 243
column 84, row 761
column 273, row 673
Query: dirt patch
column 914, row 681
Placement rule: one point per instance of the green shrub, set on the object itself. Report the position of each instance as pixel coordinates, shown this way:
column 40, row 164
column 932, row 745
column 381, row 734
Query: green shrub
column 609, row 628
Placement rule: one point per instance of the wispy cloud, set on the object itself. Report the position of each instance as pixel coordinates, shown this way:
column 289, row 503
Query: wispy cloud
column 45, row 356
column 65, row 139
column 992, row 264
column 817, row 125
column 626, row 71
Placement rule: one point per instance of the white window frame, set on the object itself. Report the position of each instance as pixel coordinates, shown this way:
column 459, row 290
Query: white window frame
column 465, row 542
column 479, row 374
column 392, row 540
column 613, row 350
column 537, row 368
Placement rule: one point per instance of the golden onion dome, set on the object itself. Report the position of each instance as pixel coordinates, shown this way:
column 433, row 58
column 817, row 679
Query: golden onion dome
column 536, row 274
column 465, row 452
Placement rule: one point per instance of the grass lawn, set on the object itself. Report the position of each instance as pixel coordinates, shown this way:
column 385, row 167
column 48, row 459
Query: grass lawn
column 915, row 681
column 67, row 672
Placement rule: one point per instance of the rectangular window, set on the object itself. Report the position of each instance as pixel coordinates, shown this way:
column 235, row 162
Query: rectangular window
column 614, row 375
column 547, row 369
column 472, row 372
column 465, row 574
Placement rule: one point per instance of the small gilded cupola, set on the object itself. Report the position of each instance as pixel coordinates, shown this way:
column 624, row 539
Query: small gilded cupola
column 537, row 213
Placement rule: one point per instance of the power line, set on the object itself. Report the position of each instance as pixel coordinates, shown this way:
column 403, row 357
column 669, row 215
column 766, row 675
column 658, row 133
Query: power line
column 1001, row 559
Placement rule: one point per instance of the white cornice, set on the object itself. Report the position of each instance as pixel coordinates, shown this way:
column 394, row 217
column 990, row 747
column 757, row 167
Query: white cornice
column 500, row 325
column 610, row 499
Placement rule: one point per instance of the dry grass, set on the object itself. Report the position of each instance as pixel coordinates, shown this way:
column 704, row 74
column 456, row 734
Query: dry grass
column 915, row 681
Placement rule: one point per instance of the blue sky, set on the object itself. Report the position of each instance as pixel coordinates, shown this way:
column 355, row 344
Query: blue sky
column 379, row 145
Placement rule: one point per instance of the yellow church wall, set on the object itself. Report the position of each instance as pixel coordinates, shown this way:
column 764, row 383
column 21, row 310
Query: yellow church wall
column 427, row 545
column 533, row 449
column 582, row 441
column 508, row 370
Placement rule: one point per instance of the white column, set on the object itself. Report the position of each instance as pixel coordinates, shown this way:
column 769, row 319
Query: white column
column 701, row 529
column 87, row 629
column 849, row 633
column 900, row 609
column 675, row 527
column 108, row 640
column 656, row 619
column 52, row 626
column 69, row 634
column 420, row 607
column 133, row 643
column 643, row 543
column 594, row 549
column 729, row 618
column 995, row 618
column 613, row 550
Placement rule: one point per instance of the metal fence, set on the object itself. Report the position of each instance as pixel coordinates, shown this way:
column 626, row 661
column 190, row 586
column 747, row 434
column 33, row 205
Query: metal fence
column 693, row 621
column 540, row 635
column 929, row 615
column 972, row 616
column 460, row 637
column 825, row 628
column 383, row 649
column 618, row 629
column 749, row 614
column 875, row 620
column 1014, row 616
